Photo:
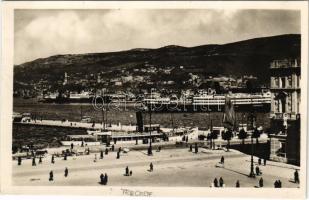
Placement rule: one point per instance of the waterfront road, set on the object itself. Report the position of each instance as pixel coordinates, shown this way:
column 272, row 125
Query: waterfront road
column 172, row 167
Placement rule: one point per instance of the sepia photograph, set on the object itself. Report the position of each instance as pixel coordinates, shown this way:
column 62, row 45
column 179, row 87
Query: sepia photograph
column 189, row 97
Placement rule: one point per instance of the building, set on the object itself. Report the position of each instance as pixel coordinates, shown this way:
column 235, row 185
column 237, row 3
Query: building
column 285, row 111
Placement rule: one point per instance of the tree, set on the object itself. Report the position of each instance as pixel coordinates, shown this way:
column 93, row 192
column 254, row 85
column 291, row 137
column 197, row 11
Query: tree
column 227, row 135
column 242, row 135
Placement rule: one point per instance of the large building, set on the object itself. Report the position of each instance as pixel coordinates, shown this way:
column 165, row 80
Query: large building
column 285, row 110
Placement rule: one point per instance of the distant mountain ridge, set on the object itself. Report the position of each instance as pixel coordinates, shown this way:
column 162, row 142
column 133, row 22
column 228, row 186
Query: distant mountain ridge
column 248, row 57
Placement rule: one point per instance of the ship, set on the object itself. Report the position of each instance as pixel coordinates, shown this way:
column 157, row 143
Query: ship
column 210, row 103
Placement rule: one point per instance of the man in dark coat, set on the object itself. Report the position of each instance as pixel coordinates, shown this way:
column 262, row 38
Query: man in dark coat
column 279, row 184
column 257, row 170
column 118, row 155
column 53, row 159
column 151, row 167
column 65, row 156
column 221, row 182
column 19, row 160
column 40, row 160
column 102, row 179
column 216, row 182
column 237, row 184
column 296, row 176
column 127, row 171
column 51, row 176
column 106, row 151
column 113, row 147
column 190, row 148
column 196, row 148
column 264, row 161
column 222, row 160
column 105, row 179
column 260, row 161
column 101, row 154
column 261, row 182
column 66, row 172
column 33, row 161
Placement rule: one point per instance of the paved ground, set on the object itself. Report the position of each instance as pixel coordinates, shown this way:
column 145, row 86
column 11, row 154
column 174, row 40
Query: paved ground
column 172, row 167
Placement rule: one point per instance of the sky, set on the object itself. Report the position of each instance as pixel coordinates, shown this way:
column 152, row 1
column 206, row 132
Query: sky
column 43, row 33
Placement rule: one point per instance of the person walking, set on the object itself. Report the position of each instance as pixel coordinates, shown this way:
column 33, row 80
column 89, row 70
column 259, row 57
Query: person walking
column 105, row 179
column 237, row 184
column 66, row 172
column 113, row 147
column 264, row 161
column 261, row 182
column 216, row 182
column 279, row 184
column 65, row 156
column 296, row 176
column 257, row 170
column 33, row 161
column 51, row 176
column 102, row 179
column 118, row 155
column 222, row 160
column 221, row 182
column 127, row 171
column 19, row 160
column 131, row 172
column 101, row 154
column 40, row 160
column 196, row 148
column 151, row 167
column 53, row 159
column 106, row 151
column 260, row 161
column 190, row 148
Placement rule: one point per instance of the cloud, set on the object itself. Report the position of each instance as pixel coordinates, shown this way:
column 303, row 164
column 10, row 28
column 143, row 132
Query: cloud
column 42, row 33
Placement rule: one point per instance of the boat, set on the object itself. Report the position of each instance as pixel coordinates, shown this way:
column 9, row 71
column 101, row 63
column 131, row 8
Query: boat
column 210, row 103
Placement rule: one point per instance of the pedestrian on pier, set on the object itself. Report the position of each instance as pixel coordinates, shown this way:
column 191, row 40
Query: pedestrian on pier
column 33, row 161
column 127, row 171
column 237, row 184
column 296, row 176
column 221, row 182
column 131, row 172
column 106, row 151
column 151, row 167
column 261, row 182
column 105, row 179
column 190, row 148
column 113, row 147
column 72, row 146
column 101, row 154
column 66, row 172
column 19, row 160
column 82, row 145
column 102, row 179
column 196, row 148
column 264, row 161
column 257, row 171
column 40, row 160
column 216, row 182
column 260, row 161
column 118, row 155
column 222, row 160
column 51, row 176
column 279, row 184
column 136, row 141
column 65, row 156
column 276, row 184
column 53, row 159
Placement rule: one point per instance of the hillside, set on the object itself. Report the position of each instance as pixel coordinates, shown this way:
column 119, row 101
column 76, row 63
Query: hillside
column 249, row 57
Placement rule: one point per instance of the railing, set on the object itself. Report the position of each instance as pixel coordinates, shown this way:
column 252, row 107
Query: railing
column 284, row 63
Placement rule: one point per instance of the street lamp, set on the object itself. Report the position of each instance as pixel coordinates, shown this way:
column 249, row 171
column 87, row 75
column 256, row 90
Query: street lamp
column 251, row 120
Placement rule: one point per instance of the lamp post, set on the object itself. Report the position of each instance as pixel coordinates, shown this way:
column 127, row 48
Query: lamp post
column 251, row 120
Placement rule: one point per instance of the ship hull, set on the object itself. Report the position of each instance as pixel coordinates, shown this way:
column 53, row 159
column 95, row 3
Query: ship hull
column 263, row 107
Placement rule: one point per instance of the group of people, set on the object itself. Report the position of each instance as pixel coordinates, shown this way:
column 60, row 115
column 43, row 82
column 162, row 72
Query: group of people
column 103, row 179
column 278, row 184
column 128, row 172
column 51, row 174
column 220, row 183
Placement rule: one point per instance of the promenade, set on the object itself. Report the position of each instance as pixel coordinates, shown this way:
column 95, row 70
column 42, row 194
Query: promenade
column 172, row 167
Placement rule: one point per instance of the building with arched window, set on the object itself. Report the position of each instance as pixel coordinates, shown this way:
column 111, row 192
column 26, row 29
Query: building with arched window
column 285, row 110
